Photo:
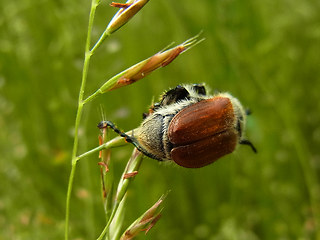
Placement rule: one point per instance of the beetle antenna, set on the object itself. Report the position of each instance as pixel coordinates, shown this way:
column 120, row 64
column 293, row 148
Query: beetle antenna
column 247, row 142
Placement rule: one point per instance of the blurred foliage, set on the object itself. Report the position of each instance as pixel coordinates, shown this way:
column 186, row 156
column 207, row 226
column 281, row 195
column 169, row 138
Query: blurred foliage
column 266, row 53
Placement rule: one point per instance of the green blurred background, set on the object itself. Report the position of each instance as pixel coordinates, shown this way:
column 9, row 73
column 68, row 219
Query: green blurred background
column 266, row 53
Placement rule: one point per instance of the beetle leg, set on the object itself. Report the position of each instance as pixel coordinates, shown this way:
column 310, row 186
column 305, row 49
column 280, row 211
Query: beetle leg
column 129, row 139
column 174, row 95
column 247, row 142
column 104, row 124
column 200, row 89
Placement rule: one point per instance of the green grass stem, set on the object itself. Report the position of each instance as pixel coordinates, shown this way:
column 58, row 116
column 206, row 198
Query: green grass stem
column 88, row 55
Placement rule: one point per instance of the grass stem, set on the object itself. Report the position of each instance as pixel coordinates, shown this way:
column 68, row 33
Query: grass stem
column 88, row 55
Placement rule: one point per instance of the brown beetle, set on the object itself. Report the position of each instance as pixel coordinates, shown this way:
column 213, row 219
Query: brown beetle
column 189, row 127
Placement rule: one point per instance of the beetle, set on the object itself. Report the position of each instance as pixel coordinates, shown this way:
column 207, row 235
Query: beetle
column 189, row 127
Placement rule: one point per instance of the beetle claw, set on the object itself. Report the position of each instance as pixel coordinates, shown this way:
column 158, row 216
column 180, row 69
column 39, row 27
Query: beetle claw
column 247, row 142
